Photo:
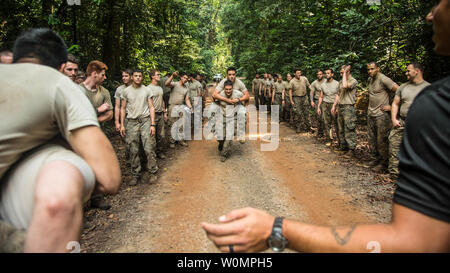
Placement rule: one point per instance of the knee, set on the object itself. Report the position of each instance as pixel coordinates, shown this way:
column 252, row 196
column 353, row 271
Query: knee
column 59, row 188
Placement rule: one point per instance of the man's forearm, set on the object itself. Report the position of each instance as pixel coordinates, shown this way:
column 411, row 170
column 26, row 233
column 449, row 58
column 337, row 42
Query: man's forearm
column 117, row 112
column 394, row 111
column 106, row 116
column 311, row 238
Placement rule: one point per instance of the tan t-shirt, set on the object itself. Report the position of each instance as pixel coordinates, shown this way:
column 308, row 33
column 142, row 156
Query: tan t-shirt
column 119, row 90
column 256, row 84
column 178, row 94
column 279, row 86
column 299, row 86
column 407, row 93
column 287, row 85
column 37, row 103
column 156, row 93
column 237, row 85
column 316, row 86
column 137, row 101
column 379, row 89
column 330, row 89
column 97, row 97
column 348, row 95
column 235, row 95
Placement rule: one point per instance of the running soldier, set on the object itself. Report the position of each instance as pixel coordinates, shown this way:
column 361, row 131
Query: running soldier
column 226, row 138
column 278, row 95
column 179, row 95
column 157, row 95
column 344, row 108
column 195, row 92
column 138, row 108
column 404, row 97
column 299, row 101
column 316, row 88
column 330, row 88
column 378, row 119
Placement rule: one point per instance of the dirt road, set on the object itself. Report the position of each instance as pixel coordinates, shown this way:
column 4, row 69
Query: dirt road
column 302, row 180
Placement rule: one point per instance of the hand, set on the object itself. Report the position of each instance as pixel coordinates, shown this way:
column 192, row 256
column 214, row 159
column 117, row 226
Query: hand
column 318, row 111
column 313, row 105
column 333, row 109
column 396, row 123
column 347, row 68
column 234, row 101
column 386, row 108
column 283, row 103
column 152, row 130
column 246, row 229
column 117, row 126
column 103, row 108
column 122, row 131
column 165, row 116
column 175, row 74
column 292, row 103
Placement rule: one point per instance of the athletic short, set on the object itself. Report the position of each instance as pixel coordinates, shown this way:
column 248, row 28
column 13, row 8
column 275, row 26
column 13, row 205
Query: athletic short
column 18, row 185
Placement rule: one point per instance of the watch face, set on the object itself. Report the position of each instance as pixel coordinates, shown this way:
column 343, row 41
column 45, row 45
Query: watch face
column 276, row 244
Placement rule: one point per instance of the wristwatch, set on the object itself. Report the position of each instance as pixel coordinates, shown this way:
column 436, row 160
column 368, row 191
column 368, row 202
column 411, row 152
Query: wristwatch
column 276, row 240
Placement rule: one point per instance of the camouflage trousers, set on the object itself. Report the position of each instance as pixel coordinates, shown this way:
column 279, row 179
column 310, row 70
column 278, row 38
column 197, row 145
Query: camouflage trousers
column 228, row 137
column 395, row 139
column 300, row 112
column 160, row 131
column 278, row 101
column 378, row 132
column 139, row 130
column 347, row 126
column 329, row 121
column 316, row 119
column 287, row 109
column 257, row 99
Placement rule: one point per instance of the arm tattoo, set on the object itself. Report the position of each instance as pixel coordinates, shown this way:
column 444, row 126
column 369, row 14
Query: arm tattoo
column 342, row 241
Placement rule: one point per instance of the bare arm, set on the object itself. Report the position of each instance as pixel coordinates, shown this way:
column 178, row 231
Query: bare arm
column 117, row 114
column 394, row 111
column 151, row 107
column 92, row 145
column 122, row 117
column 410, row 231
column 106, row 116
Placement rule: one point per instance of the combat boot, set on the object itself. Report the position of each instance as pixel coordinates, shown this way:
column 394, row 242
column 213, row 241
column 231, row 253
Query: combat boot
column 161, row 156
column 183, row 143
column 97, row 201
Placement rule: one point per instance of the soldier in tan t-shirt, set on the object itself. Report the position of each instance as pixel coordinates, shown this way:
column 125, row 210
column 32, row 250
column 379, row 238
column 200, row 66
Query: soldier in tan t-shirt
column 316, row 88
column 404, row 97
column 256, row 86
column 138, row 108
column 44, row 183
column 330, row 88
column 179, row 96
column 299, row 101
column 378, row 118
column 97, row 94
column 126, row 80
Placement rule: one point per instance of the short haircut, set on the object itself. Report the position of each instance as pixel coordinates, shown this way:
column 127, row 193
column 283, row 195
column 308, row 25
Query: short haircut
column 375, row 63
column 6, row 53
column 43, row 44
column 297, row 69
column 231, row 69
column 319, row 70
column 416, row 65
column 129, row 71
column 137, row 71
column 331, row 69
column 95, row 66
column 152, row 72
column 71, row 58
column 182, row 74
column 227, row 83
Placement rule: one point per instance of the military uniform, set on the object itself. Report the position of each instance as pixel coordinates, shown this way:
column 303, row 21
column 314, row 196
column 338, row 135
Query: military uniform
column 257, row 83
column 225, row 138
column 194, row 88
column 287, row 109
column 347, row 115
column 329, row 89
column 378, row 121
column 301, row 103
column 278, row 97
column 316, row 119
column 138, row 129
column 97, row 97
column 407, row 93
column 157, row 94
column 177, row 99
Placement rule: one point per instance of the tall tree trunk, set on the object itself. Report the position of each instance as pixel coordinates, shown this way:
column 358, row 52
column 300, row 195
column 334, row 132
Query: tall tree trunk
column 111, row 44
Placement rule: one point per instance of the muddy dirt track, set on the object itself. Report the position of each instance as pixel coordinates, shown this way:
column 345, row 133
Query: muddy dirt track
column 302, row 180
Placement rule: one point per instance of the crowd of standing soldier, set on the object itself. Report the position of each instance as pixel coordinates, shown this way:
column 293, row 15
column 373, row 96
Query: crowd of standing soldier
column 331, row 104
column 141, row 112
